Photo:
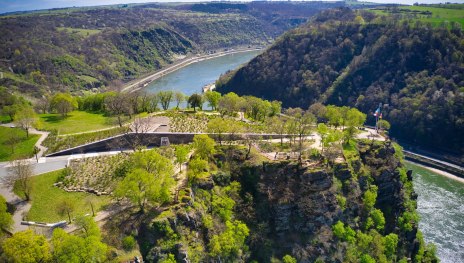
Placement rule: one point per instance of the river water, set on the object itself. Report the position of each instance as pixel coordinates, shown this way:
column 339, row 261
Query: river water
column 192, row 78
column 441, row 209
column 440, row 201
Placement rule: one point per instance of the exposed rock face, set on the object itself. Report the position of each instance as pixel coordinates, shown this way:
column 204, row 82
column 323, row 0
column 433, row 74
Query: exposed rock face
column 296, row 203
column 292, row 209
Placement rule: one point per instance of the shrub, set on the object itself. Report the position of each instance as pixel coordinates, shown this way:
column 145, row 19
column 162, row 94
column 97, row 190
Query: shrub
column 128, row 243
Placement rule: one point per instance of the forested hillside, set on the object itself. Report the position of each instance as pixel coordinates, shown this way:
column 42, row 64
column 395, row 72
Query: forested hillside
column 361, row 59
column 83, row 48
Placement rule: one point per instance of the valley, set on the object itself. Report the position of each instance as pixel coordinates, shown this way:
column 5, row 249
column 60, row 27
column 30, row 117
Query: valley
column 167, row 173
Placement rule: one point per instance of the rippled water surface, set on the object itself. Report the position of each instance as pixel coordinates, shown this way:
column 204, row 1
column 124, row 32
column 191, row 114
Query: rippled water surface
column 441, row 208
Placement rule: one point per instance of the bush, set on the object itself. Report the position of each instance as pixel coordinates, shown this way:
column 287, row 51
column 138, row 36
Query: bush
column 128, row 243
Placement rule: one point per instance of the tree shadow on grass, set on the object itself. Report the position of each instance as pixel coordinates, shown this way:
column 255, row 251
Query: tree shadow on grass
column 54, row 118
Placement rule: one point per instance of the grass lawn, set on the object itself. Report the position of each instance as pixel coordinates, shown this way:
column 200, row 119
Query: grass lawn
column 76, row 121
column 24, row 148
column 436, row 18
column 46, row 198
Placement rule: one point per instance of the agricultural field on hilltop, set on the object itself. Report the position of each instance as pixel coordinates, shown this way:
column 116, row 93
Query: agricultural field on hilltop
column 428, row 14
column 14, row 144
column 46, row 199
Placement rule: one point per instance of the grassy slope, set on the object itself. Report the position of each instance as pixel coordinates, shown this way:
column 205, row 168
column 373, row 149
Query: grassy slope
column 77, row 121
column 46, row 198
column 24, row 148
column 438, row 16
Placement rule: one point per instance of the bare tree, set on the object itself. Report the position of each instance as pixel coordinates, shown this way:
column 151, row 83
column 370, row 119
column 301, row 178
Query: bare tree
column 141, row 125
column 117, row 105
column 19, row 175
column 26, row 119
column 65, row 207
column 134, row 101
column 43, row 104
column 12, row 140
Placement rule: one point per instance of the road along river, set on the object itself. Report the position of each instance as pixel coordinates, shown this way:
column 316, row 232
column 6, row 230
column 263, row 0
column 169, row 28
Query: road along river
column 440, row 201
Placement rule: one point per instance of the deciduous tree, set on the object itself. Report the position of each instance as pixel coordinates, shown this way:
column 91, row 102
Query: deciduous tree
column 181, row 152
column 117, row 105
column 26, row 247
column 213, row 97
column 26, row 119
column 165, row 98
column 179, row 97
column 6, row 219
column 65, row 207
column 63, row 103
column 20, row 176
column 195, row 100
column 204, row 146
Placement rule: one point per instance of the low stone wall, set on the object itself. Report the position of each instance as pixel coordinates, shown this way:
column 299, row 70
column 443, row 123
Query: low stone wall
column 131, row 140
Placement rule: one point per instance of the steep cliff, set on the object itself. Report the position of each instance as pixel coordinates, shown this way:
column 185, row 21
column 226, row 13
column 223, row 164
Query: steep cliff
column 358, row 210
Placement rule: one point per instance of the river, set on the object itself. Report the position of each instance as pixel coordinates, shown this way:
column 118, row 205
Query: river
column 192, row 78
column 440, row 201
column 441, row 209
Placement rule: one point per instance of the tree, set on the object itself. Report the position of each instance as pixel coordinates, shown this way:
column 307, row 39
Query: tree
column 218, row 126
column 391, row 243
column 88, row 226
column 65, row 207
column 181, row 152
column 303, row 121
column 11, row 110
column 12, row 140
column 141, row 125
column 370, row 197
column 6, row 219
column 229, row 104
column 289, row 259
column 117, row 105
column 179, row 97
column 26, row 119
column 165, row 98
column 384, row 125
column 195, row 100
column 230, row 245
column 204, row 146
column 279, row 126
column 149, row 182
column 319, row 110
column 196, row 169
column 334, row 115
column 25, row 247
column 323, row 131
column 63, row 103
column 276, row 108
column 212, row 97
column 143, row 188
column 76, row 249
column 153, row 101
column 19, row 176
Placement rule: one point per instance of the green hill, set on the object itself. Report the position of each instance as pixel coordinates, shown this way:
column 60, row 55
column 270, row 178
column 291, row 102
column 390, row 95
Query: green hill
column 361, row 59
column 74, row 49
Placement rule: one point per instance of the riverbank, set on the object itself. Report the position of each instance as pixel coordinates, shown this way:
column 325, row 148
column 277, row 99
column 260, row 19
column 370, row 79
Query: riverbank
column 144, row 81
column 438, row 171
column 432, row 163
